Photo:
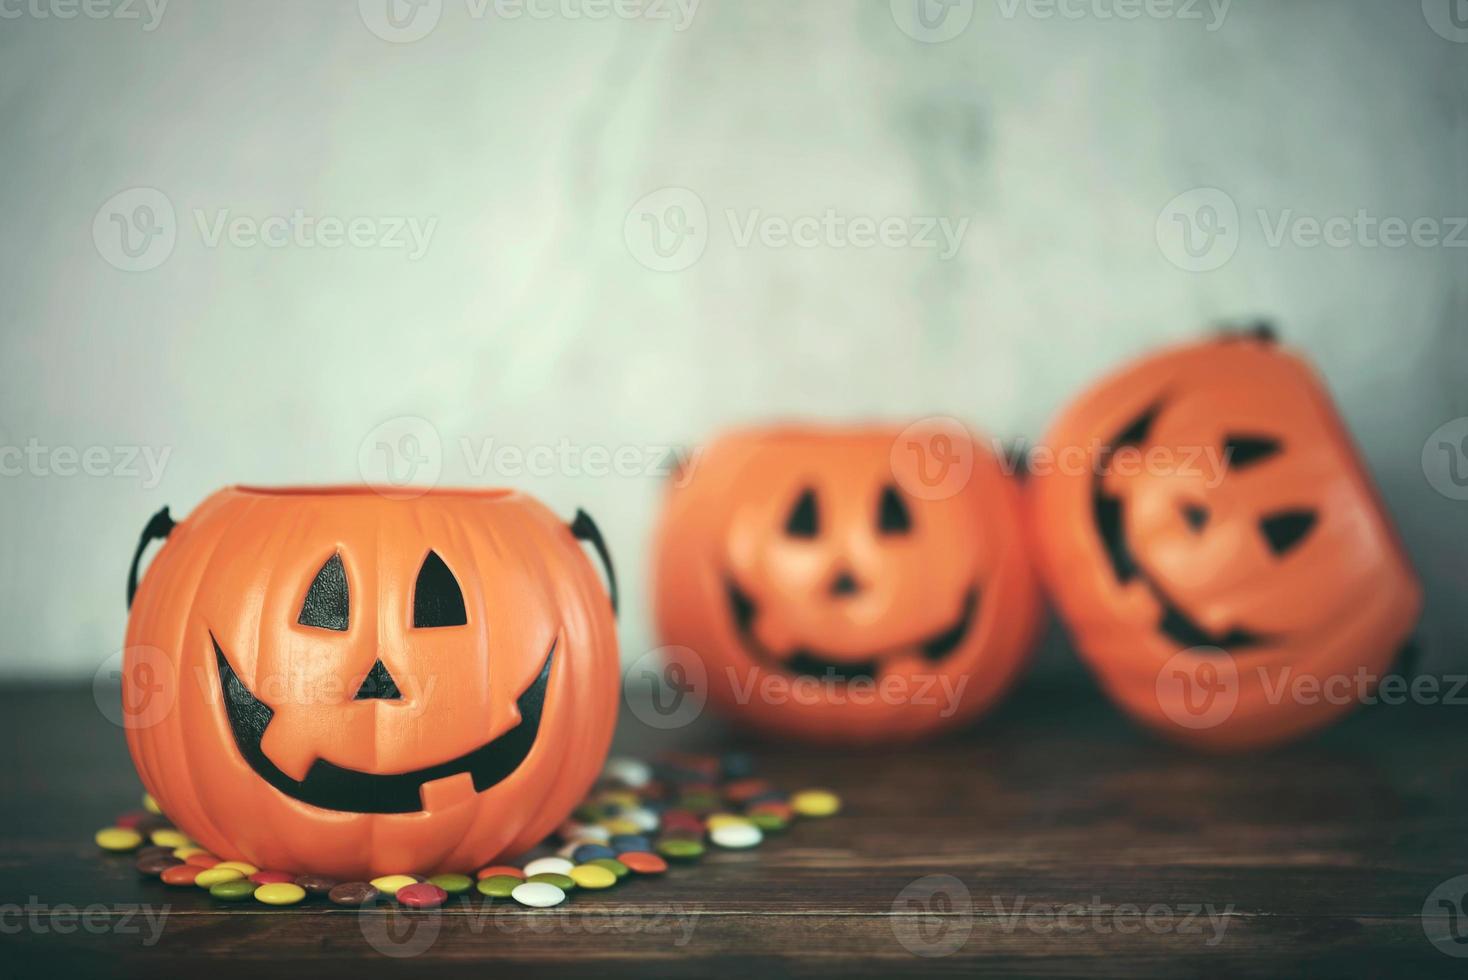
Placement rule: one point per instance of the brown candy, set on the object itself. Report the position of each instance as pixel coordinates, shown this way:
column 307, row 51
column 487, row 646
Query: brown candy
column 156, row 864
column 351, row 893
column 317, row 884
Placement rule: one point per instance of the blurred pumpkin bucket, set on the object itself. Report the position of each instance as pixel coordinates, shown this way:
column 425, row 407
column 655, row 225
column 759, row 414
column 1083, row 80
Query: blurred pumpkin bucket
column 847, row 584
column 1217, row 548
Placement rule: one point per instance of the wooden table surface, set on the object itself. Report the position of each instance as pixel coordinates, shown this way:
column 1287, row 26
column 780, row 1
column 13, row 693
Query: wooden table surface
column 1054, row 838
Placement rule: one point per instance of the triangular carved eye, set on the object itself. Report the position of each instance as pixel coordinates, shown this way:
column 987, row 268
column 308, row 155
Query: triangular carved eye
column 437, row 599
column 805, row 519
column 1244, row 450
column 892, row 516
column 1286, row 529
column 327, row 604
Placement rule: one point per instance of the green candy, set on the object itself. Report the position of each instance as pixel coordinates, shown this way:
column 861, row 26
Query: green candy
column 233, row 891
column 700, row 801
column 454, row 884
column 496, row 886
column 768, row 821
column 676, row 849
column 564, row 882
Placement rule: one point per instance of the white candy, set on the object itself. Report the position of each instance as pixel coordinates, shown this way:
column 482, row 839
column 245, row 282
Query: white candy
column 735, row 835
column 633, row 773
column 645, row 819
column 538, row 894
column 555, row 865
column 584, row 833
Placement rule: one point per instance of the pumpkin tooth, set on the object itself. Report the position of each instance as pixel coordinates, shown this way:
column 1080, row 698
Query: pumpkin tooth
column 291, row 755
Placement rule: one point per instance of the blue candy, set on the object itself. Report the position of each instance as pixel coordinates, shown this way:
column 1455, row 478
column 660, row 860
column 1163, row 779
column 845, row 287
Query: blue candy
column 622, row 843
column 591, row 852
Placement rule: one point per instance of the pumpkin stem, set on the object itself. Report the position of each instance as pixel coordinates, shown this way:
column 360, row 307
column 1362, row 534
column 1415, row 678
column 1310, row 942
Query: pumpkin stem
column 585, row 529
column 158, row 527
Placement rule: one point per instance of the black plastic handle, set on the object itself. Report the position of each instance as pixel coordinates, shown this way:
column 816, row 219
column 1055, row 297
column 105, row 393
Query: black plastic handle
column 159, row 527
column 585, row 529
column 1260, row 329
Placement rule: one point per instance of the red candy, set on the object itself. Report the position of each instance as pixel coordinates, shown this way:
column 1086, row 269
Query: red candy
column 681, row 820
column 131, row 820
column 744, row 790
column 272, row 878
column 424, row 895
column 782, row 810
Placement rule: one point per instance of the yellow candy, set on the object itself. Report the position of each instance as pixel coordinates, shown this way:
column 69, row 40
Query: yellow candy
column 593, row 876
column 118, row 839
column 171, row 838
column 186, row 852
column 619, row 797
column 243, row 867
column 716, row 820
column 282, row 893
column 150, row 804
column 213, row 876
column 815, row 803
column 619, row 825
column 389, row 884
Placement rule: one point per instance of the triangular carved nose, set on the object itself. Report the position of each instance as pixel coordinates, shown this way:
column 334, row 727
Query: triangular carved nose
column 378, row 685
column 845, row 584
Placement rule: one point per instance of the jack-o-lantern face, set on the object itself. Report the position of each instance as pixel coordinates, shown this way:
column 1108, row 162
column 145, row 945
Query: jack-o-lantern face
column 367, row 685
column 1211, row 538
column 827, row 593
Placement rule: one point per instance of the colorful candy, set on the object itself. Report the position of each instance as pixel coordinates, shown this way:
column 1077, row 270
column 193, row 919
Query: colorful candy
column 389, row 884
column 422, row 895
column 279, row 893
column 639, row 819
column 538, row 894
column 352, row 893
column 815, row 803
column 236, row 890
column 592, row 876
column 498, row 886
column 118, row 839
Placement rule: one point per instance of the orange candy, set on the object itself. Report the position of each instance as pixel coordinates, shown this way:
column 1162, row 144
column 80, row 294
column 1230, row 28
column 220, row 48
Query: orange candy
column 643, row 863
column 500, row 869
column 180, row 874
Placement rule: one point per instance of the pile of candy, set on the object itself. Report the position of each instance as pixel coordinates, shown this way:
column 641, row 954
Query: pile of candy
column 639, row 817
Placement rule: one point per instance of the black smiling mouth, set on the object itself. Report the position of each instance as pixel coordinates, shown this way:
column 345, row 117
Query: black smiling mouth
column 332, row 787
column 1110, row 518
column 806, row 662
